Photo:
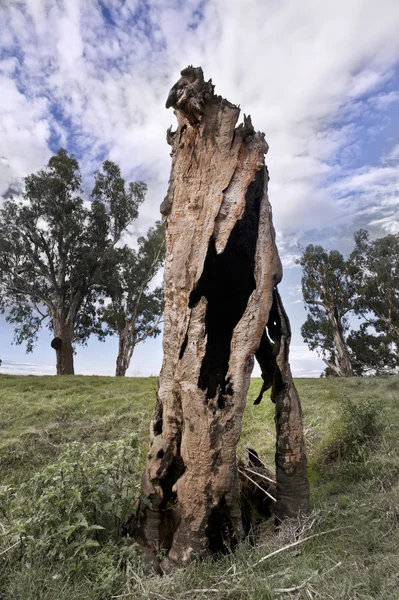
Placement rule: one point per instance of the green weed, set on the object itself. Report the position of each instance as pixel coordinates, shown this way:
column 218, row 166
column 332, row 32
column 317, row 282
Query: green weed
column 356, row 431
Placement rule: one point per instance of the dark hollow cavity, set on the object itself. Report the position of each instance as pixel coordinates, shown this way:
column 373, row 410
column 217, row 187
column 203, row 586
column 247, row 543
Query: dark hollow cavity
column 183, row 346
column 158, row 416
column 227, row 281
column 269, row 348
column 169, row 516
column 219, row 530
column 267, row 361
column 56, row 343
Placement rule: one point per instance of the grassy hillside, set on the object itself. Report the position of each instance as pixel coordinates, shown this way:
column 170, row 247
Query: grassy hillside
column 352, row 433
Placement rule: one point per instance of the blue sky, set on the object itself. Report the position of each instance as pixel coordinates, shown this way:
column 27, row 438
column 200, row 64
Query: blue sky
column 321, row 79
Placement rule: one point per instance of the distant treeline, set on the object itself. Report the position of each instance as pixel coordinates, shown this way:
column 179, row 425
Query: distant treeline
column 366, row 285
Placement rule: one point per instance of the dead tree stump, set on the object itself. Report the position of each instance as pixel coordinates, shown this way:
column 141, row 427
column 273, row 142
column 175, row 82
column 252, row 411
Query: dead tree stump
column 221, row 309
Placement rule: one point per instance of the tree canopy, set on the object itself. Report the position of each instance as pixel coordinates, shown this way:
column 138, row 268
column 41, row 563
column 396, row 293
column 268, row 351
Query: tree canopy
column 374, row 267
column 366, row 285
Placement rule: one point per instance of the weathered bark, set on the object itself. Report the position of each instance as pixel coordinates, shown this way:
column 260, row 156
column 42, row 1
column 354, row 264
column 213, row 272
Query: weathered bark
column 126, row 346
column 221, row 272
column 121, row 362
column 340, row 362
column 343, row 363
column 128, row 342
column 62, row 344
column 291, row 462
column 120, row 371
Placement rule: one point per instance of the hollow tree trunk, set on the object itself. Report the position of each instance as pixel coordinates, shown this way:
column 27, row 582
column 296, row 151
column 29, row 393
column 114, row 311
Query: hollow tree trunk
column 62, row 343
column 221, row 272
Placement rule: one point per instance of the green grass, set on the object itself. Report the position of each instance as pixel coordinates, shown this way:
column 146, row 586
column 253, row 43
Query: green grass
column 38, row 415
column 358, row 496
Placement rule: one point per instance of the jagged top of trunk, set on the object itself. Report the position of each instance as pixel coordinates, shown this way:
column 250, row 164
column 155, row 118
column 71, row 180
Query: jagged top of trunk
column 202, row 113
column 191, row 92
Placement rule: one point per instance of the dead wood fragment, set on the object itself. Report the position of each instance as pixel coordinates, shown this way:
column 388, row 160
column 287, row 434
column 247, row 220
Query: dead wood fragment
column 293, row 544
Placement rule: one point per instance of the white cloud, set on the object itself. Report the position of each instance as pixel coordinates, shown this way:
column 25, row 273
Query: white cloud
column 288, row 259
column 389, row 224
column 304, row 362
column 301, row 352
column 295, row 291
column 24, row 133
column 384, row 100
column 392, row 156
column 369, row 197
column 10, row 367
column 369, row 179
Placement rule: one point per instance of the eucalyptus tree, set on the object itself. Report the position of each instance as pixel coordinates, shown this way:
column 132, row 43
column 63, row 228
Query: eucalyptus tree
column 329, row 294
column 56, row 251
column 134, row 311
column 374, row 268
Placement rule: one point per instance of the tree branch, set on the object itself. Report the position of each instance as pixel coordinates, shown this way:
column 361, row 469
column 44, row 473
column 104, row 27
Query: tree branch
column 50, row 260
column 150, row 331
column 74, row 306
column 41, row 321
column 31, row 291
column 35, row 240
column 39, row 311
column 318, row 302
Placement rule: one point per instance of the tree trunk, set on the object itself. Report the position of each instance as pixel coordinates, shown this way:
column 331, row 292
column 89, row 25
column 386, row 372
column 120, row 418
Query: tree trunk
column 121, row 365
column 120, row 371
column 291, row 462
column 342, row 364
column 221, row 272
column 125, row 350
column 62, row 344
